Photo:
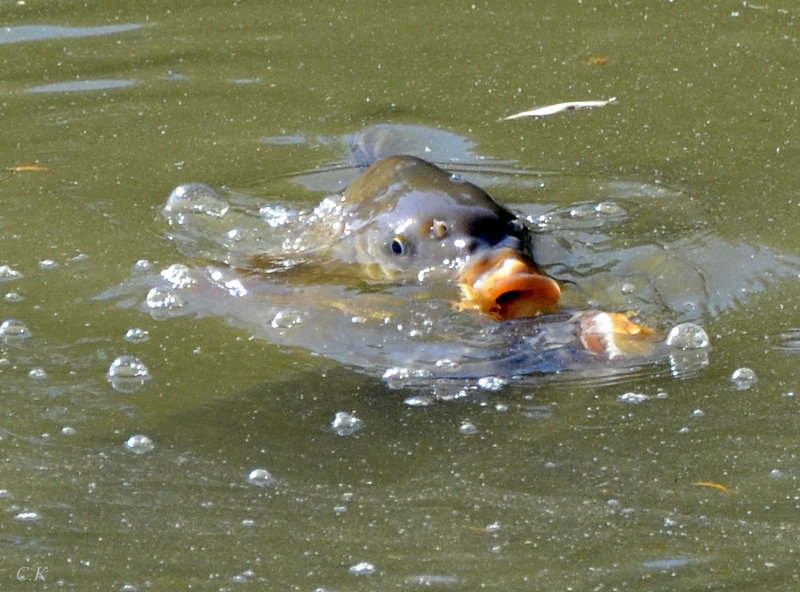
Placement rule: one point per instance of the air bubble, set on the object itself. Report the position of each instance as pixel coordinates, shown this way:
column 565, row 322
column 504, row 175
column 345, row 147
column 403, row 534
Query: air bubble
column 46, row 264
column 28, row 517
column 14, row 297
column 687, row 336
column 467, row 428
column 136, row 335
column 633, row 398
column 345, row 424
column 37, row 373
column 127, row 374
column 142, row 265
column 162, row 301
column 285, row 320
column 195, row 198
column 139, row 444
column 13, row 330
column 743, row 378
column 260, row 477
column 363, row 568
column 418, row 401
column 8, row 274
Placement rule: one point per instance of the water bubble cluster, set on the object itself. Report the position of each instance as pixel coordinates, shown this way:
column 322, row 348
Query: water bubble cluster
column 492, row 383
column 345, row 424
column 139, row 444
column 127, row 374
column 274, row 215
column 744, row 378
column 179, row 276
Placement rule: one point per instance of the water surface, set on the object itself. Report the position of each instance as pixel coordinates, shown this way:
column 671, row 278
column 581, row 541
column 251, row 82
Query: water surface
column 693, row 484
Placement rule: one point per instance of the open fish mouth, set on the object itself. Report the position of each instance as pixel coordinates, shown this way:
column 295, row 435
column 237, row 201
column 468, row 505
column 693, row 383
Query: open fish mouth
column 506, row 285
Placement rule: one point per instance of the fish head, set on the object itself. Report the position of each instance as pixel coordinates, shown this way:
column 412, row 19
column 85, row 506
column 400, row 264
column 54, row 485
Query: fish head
column 409, row 218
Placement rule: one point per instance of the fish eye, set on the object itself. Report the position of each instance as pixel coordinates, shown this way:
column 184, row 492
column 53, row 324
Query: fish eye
column 398, row 246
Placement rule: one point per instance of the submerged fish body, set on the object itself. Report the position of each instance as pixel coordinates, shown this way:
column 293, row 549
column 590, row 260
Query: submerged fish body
column 415, row 275
column 411, row 272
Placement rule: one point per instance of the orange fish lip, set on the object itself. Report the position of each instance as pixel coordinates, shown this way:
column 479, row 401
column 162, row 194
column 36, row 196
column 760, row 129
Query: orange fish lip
column 505, row 284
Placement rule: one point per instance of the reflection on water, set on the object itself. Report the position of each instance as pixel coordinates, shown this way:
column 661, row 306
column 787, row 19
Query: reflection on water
column 43, row 32
column 80, row 86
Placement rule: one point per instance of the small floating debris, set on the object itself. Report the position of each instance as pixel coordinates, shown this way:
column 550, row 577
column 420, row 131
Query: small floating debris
column 139, row 444
column 345, row 424
column 713, row 485
column 559, row 108
column 744, row 378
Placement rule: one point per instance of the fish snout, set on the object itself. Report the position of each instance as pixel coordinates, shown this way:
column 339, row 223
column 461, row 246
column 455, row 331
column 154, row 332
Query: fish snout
column 505, row 284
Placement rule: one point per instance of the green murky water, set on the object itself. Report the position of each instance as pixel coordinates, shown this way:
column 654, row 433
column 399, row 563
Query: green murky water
column 562, row 487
